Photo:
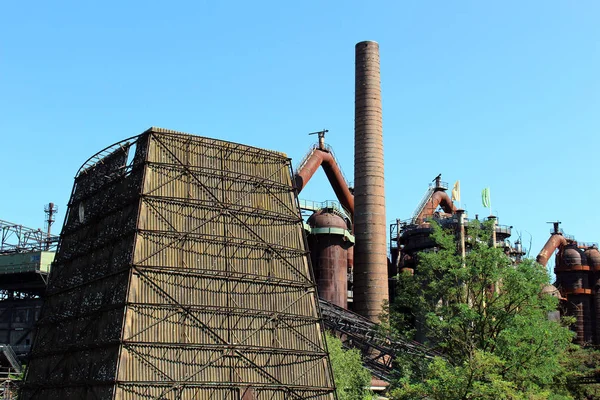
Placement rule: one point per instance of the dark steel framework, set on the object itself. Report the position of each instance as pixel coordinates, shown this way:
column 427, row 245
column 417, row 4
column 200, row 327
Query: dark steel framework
column 15, row 238
column 181, row 273
column 378, row 351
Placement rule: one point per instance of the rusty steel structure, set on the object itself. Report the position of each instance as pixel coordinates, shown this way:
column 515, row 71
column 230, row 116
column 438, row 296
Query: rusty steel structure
column 370, row 225
column 435, row 197
column 368, row 261
column 411, row 236
column 329, row 240
column 181, row 272
column 321, row 155
column 577, row 270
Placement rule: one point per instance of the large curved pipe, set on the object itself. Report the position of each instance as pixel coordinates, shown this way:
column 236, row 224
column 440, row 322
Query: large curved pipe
column 439, row 198
column 325, row 159
column 552, row 244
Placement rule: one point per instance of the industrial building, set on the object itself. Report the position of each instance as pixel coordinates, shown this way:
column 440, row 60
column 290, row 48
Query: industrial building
column 25, row 258
column 410, row 236
column 577, row 269
column 188, row 267
column 181, row 273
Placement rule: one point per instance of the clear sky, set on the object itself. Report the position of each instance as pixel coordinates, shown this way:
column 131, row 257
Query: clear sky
column 499, row 94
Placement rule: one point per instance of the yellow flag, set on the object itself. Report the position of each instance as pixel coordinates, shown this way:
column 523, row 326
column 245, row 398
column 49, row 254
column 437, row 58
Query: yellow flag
column 456, row 191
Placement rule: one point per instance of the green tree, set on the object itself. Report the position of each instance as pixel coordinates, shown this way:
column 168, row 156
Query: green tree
column 582, row 363
column 488, row 320
column 352, row 380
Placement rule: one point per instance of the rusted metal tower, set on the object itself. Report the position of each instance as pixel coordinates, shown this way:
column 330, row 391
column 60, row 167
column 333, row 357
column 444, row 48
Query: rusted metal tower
column 181, row 274
column 370, row 226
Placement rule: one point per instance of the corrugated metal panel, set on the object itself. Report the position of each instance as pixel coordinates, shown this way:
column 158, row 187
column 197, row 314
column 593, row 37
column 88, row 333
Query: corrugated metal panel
column 182, row 276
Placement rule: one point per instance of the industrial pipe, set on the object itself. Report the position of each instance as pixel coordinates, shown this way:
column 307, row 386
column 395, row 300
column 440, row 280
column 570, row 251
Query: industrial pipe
column 439, row 198
column 555, row 241
column 370, row 224
column 323, row 158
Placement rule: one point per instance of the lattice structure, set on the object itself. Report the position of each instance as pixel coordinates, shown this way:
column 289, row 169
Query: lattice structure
column 16, row 238
column 378, row 351
column 181, row 274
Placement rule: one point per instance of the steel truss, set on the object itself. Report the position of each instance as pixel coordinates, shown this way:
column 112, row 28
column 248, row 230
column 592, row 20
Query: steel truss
column 378, row 351
column 16, row 238
column 182, row 273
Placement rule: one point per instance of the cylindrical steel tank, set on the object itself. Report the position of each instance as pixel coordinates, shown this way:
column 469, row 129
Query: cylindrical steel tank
column 593, row 257
column 370, row 227
column 572, row 275
column 329, row 255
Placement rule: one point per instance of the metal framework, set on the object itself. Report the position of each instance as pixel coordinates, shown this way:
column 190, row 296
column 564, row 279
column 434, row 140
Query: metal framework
column 378, row 351
column 15, row 238
column 182, row 273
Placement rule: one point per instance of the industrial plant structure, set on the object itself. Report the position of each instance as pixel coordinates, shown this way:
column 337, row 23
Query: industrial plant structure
column 25, row 258
column 181, row 273
column 411, row 236
column 366, row 201
column 577, row 270
column 188, row 268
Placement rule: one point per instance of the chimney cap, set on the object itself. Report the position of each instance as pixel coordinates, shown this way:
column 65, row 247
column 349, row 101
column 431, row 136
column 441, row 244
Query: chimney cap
column 367, row 42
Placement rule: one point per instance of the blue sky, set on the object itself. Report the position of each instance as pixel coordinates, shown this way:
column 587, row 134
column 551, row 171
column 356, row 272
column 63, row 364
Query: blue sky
column 499, row 94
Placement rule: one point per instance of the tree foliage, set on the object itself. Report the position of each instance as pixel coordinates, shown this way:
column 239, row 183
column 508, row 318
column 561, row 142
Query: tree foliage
column 487, row 319
column 581, row 363
column 352, row 380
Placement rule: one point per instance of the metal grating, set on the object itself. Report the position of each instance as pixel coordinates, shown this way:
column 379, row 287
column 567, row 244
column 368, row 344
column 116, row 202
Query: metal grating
column 181, row 274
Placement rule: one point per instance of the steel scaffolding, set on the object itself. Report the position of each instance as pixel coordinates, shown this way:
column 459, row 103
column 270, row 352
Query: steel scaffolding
column 181, row 273
column 15, row 238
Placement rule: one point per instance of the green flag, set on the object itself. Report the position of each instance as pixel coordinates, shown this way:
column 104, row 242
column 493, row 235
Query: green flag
column 485, row 198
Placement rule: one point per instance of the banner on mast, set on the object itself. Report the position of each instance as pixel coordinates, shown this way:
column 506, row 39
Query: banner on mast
column 456, row 191
column 485, row 197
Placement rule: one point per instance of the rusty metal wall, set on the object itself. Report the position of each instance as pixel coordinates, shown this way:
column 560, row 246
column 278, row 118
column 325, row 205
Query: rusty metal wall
column 329, row 255
column 217, row 300
column 573, row 278
column 593, row 257
column 370, row 226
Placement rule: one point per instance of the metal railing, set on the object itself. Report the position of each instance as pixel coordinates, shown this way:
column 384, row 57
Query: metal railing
column 15, row 238
column 10, row 355
column 335, row 206
column 568, row 237
column 439, row 184
column 304, row 160
column 444, row 222
column 422, row 203
column 328, row 149
column 21, row 349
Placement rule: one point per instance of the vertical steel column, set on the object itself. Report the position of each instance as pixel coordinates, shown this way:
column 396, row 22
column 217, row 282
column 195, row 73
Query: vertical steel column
column 494, row 223
column 461, row 235
column 370, row 254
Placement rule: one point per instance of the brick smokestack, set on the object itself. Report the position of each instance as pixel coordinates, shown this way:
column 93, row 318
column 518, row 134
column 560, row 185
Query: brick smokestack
column 370, row 228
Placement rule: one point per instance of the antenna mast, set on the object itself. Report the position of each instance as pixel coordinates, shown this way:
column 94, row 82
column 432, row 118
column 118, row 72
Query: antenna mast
column 50, row 209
